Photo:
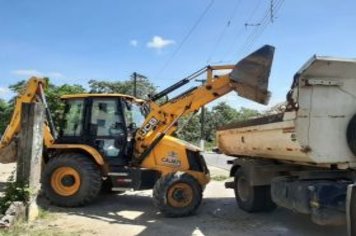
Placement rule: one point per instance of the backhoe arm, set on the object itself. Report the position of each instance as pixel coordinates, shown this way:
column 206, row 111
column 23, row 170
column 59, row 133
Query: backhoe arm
column 32, row 92
column 249, row 78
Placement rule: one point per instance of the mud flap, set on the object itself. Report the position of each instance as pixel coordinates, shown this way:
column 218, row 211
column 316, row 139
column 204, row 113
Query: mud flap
column 8, row 153
column 351, row 209
column 250, row 77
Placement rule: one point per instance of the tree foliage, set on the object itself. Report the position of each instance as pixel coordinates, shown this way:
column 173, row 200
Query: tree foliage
column 143, row 87
column 5, row 113
column 53, row 94
column 217, row 116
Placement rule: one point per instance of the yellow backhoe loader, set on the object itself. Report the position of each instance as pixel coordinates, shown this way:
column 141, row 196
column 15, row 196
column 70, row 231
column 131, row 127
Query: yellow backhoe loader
column 126, row 142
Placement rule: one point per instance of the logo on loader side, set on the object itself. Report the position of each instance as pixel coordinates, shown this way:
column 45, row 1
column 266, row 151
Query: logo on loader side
column 172, row 159
column 149, row 126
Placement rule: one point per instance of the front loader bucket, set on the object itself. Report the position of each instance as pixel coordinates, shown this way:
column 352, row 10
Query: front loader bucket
column 250, row 76
column 8, row 153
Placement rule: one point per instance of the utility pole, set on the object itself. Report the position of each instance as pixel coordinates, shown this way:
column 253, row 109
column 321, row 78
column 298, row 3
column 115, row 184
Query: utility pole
column 134, row 84
column 202, row 120
column 135, row 76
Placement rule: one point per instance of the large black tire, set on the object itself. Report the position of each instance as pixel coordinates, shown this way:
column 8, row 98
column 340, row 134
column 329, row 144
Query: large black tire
column 252, row 198
column 351, row 134
column 77, row 168
column 177, row 195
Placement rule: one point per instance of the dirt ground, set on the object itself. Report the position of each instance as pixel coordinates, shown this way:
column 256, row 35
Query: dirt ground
column 133, row 213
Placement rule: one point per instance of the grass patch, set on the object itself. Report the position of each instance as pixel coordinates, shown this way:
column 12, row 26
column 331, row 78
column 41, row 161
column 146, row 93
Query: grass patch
column 44, row 214
column 220, row 177
column 14, row 191
column 24, row 229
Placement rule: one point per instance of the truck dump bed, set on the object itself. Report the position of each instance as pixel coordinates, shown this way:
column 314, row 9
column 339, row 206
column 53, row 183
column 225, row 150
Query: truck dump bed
column 312, row 129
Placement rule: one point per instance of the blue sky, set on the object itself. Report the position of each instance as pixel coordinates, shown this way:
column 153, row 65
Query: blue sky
column 75, row 41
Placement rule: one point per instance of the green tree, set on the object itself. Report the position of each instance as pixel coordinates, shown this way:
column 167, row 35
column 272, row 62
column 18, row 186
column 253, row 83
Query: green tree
column 5, row 113
column 189, row 128
column 53, row 94
column 219, row 115
column 143, row 87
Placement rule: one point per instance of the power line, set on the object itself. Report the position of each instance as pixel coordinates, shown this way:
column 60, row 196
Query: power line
column 263, row 23
column 239, row 30
column 195, row 25
column 276, row 8
column 227, row 25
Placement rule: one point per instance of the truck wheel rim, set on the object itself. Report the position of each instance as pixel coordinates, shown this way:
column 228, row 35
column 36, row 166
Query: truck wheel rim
column 65, row 181
column 180, row 195
column 243, row 189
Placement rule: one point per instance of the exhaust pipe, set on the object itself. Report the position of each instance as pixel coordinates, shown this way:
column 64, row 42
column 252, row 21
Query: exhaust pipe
column 250, row 76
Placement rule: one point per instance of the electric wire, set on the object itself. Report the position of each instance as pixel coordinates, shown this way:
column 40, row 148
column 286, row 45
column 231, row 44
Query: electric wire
column 257, row 32
column 229, row 52
column 190, row 32
column 227, row 25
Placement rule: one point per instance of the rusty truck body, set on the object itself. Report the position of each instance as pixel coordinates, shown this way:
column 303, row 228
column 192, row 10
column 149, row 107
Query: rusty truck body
column 303, row 158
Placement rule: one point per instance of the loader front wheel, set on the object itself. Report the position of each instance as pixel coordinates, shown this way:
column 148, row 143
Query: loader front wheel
column 252, row 198
column 71, row 180
column 177, row 194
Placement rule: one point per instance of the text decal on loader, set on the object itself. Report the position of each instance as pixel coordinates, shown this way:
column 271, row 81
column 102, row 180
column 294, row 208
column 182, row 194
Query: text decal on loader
column 172, row 159
column 149, row 126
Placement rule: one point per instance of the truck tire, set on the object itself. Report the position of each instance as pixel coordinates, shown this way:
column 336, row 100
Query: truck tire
column 351, row 134
column 251, row 198
column 177, row 194
column 71, row 180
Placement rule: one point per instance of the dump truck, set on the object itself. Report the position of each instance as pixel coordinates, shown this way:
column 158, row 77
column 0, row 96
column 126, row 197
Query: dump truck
column 127, row 143
column 304, row 157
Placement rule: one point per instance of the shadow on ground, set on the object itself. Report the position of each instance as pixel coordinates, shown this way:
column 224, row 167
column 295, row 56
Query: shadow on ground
column 216, row 216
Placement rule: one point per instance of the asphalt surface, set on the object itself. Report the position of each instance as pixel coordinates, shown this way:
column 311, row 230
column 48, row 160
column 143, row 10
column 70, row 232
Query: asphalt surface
column 218, row 160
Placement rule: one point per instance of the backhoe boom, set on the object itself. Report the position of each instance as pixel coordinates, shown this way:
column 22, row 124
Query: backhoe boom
column 249, row 78
column 32, row 92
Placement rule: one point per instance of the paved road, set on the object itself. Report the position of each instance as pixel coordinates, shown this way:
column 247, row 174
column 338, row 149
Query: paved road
column 218, row 160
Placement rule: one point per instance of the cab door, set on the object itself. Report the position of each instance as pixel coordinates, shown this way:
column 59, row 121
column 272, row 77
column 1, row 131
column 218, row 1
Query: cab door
column 107, row 129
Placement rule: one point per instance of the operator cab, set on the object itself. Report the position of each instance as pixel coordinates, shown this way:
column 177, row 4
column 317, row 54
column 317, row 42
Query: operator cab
column 106, row 122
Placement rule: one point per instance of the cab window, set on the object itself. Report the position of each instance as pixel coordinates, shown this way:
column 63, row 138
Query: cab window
column 106, row 118
column 134, row 116
column 73, row 118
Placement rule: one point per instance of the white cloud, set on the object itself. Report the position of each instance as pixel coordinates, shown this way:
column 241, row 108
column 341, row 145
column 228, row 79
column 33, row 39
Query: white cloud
column 26, row 72
column 32, row 72
column 54, row 75
column 157, row 42
column 134, row 43
column 4, row 91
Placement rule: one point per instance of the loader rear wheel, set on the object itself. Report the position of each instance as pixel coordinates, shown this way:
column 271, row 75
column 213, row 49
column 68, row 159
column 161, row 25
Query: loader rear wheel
column 252, row 198
column 177, row 194
column 71, row 180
